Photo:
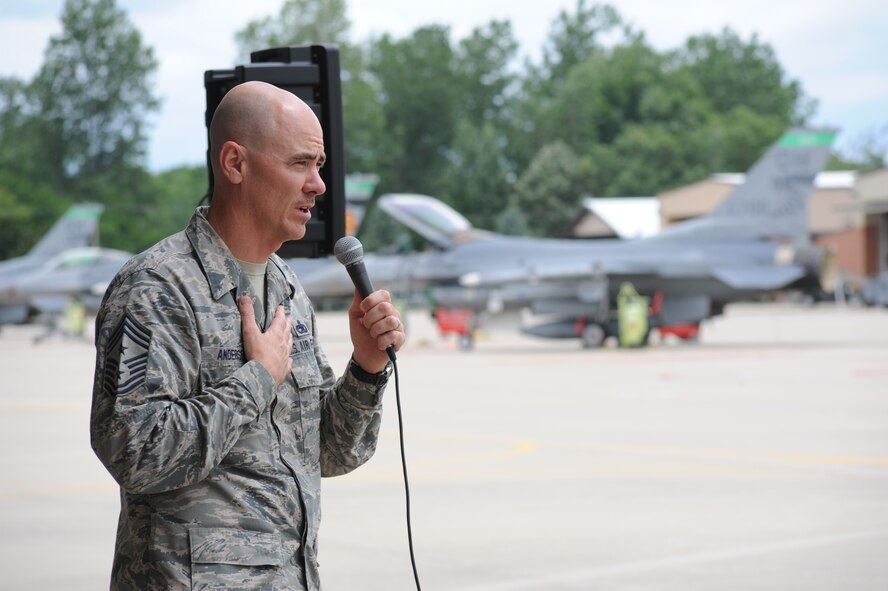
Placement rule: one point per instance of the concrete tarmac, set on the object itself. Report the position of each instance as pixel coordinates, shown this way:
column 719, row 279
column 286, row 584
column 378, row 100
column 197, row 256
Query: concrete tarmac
column 756, row 459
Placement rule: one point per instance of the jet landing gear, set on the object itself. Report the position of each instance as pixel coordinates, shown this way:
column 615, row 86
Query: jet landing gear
column 593, row 336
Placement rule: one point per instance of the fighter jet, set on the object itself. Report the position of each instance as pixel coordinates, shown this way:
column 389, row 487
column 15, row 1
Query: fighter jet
column 753, row 244
column 61, row 265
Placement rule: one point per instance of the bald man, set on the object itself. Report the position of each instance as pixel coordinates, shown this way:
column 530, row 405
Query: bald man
column 214, row 407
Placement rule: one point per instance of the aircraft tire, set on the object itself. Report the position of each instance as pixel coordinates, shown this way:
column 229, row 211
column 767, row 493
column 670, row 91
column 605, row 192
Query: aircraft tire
column 593, row 336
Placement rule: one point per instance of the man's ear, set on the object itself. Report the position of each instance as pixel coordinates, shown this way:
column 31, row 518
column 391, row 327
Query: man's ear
column 232, row 162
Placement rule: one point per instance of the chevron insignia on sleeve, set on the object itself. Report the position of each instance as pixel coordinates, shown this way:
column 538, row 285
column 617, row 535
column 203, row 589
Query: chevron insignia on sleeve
column 131, row 368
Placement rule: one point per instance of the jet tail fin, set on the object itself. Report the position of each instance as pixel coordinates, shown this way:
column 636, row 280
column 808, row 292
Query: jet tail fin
column 78, row 227
column 773, row 202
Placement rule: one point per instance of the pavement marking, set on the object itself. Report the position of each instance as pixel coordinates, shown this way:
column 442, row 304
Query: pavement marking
column 584, row 575
column 523, row 446
column 514, row 448
column 510, row 447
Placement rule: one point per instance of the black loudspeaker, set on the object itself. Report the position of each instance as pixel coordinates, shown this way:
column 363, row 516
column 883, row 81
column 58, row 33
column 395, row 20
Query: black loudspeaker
column 311, row 72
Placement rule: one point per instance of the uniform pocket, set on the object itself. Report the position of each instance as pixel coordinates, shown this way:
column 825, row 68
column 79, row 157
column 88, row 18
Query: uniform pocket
column 229, row 558
column 218, row 362
column 305, row 371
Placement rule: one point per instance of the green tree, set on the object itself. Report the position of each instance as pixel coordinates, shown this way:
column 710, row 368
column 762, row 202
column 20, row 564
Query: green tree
column 734, row 73
column 600, row 96
column 17, row 146
column 575, row 37
column 604, row 108
column 77, row 130
column 735, row 140
column 418, row 91
column 482, row 63
column 653, row 158
column 299, row 22
column 478, row 179
column 479, row 172
column 366, row 145
column 93, row 94
column 178, row 191
column 28, row 205
column 86, row 116
column 548, row 192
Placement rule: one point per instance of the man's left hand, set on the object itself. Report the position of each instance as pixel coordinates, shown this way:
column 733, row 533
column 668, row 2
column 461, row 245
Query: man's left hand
column 375, row 324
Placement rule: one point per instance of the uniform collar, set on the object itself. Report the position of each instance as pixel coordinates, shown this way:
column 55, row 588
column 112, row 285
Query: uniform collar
column 220, row 266
column 218, row 263
column 283, row 275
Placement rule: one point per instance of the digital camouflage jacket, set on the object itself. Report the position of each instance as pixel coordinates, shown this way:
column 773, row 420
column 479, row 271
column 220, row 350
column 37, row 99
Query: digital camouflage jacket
column 219, row 469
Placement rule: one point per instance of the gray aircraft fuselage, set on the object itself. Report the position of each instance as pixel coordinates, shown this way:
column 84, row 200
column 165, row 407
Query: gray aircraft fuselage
column 753, row 243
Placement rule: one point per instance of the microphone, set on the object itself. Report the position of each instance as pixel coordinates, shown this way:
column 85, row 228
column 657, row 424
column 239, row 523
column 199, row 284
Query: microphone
column 350, row 252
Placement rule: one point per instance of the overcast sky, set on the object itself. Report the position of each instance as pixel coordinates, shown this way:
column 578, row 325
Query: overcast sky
column 838, row 50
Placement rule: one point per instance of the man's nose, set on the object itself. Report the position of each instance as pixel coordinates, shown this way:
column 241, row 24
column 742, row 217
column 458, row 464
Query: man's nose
column 315, row 184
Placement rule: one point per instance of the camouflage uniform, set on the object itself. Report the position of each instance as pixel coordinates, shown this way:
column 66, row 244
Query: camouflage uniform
column 219, row 469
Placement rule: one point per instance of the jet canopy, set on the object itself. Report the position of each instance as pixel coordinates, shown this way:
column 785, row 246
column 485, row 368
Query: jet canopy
column 433, row 220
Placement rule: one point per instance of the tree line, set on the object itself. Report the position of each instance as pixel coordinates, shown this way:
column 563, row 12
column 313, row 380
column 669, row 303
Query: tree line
column 511, row 144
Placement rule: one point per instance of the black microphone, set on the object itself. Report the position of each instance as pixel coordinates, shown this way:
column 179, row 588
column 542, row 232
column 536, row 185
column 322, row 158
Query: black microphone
column 350, row 252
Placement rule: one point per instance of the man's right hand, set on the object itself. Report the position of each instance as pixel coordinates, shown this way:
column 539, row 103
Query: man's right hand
column 271, row 348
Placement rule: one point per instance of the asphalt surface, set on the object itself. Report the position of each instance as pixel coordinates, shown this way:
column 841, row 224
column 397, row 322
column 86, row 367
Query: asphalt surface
column 756, row 459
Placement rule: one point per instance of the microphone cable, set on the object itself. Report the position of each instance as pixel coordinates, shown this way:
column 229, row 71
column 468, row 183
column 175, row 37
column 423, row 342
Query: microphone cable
column 404, row 468
column 350, row 252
